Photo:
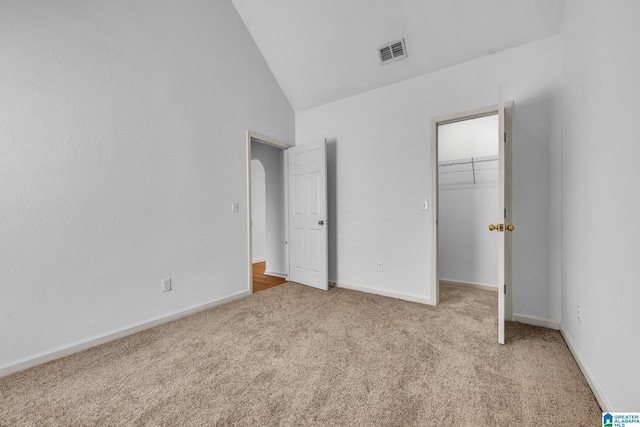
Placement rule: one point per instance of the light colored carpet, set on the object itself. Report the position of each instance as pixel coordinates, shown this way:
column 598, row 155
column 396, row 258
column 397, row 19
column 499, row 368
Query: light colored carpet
column 293, row 355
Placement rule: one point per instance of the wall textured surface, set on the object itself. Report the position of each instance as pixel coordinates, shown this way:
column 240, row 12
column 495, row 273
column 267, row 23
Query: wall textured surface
column 123, row 147
column 258, row 212
column 466, row 248
column 600, row 176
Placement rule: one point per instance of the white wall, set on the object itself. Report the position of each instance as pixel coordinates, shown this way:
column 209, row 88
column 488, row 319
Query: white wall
column 272, row 158
column 379, row 172
column 258, row 212
column 123, row 146
column 468, row 138
column 600, row 177
column 466, row 248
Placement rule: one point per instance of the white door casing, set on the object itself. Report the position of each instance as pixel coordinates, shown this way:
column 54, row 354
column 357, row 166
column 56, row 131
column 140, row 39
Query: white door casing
column 308, row 257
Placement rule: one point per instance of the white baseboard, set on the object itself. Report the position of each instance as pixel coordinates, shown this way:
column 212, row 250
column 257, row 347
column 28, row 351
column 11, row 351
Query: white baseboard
column 536, row 321
column 275, row 274
column 258, row 260
column 475, row 285
column 392, row 294
column 47, row 356
column 586, row 371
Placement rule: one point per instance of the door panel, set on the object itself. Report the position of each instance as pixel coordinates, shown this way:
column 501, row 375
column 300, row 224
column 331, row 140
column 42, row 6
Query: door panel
column 501, row 218
column 308, row 215
column 298, row 256
column 314, row 193
column 505, row 213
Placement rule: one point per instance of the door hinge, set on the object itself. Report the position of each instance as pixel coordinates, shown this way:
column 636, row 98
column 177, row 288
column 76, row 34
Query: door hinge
column 505, row 214
column 505, row 289
column 505, row 137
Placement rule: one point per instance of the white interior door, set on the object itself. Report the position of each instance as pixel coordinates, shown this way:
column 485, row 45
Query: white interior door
column 308, row 258
column 504, row 226
column 502, row 287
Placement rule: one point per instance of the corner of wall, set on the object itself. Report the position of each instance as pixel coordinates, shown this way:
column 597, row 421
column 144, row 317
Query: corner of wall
column 586, row 371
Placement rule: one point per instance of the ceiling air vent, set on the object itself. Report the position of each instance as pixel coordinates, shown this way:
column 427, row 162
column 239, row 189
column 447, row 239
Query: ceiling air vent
column 392, row 51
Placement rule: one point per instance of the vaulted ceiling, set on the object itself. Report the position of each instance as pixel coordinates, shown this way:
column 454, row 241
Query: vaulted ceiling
column 324, row 50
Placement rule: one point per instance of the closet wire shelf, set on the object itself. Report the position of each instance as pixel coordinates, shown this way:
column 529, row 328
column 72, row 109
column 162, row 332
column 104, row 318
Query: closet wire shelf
column 470, row 160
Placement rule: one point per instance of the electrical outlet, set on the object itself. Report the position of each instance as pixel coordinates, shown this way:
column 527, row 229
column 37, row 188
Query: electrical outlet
column 380, row 266
column 579, row 312
column 235, row 207
column 166, row 285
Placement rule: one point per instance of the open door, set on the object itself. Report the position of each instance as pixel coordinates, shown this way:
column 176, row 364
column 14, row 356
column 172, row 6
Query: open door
column 308, row 258
column 504, row 210
column 504, row 214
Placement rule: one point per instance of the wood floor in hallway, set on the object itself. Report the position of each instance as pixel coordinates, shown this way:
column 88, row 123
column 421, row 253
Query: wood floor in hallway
column 262, row 281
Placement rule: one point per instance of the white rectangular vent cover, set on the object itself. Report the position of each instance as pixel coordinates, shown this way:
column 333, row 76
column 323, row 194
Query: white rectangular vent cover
column 392, row 52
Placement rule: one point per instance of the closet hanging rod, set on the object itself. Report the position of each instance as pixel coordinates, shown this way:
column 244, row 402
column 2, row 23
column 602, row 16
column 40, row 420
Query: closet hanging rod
column 468, row 160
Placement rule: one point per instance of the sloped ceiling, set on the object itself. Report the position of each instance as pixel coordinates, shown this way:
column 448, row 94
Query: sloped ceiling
column 324, row 50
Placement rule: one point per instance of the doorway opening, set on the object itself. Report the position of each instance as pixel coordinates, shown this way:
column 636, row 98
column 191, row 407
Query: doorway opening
column 296, row 237
column 267, row 212
column 467, row 200
column 264, row 234
column 471, row 176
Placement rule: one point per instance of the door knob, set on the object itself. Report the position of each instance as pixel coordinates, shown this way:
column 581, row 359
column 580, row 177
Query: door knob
column 501, row 227
column 321, row 222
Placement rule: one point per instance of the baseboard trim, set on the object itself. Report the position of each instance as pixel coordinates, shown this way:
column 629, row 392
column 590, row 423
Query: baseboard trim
column 258, row 260
column 536, row 321
column 31, row 361
column 605, row 405
column 275, row 274
column 482, row 286
column 382, row 292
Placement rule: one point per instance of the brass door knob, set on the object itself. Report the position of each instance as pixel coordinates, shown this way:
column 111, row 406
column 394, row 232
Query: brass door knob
column 501, row 227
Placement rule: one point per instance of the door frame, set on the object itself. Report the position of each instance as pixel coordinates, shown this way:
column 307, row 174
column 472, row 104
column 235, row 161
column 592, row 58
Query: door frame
column 458, row 117
column 263, row 139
